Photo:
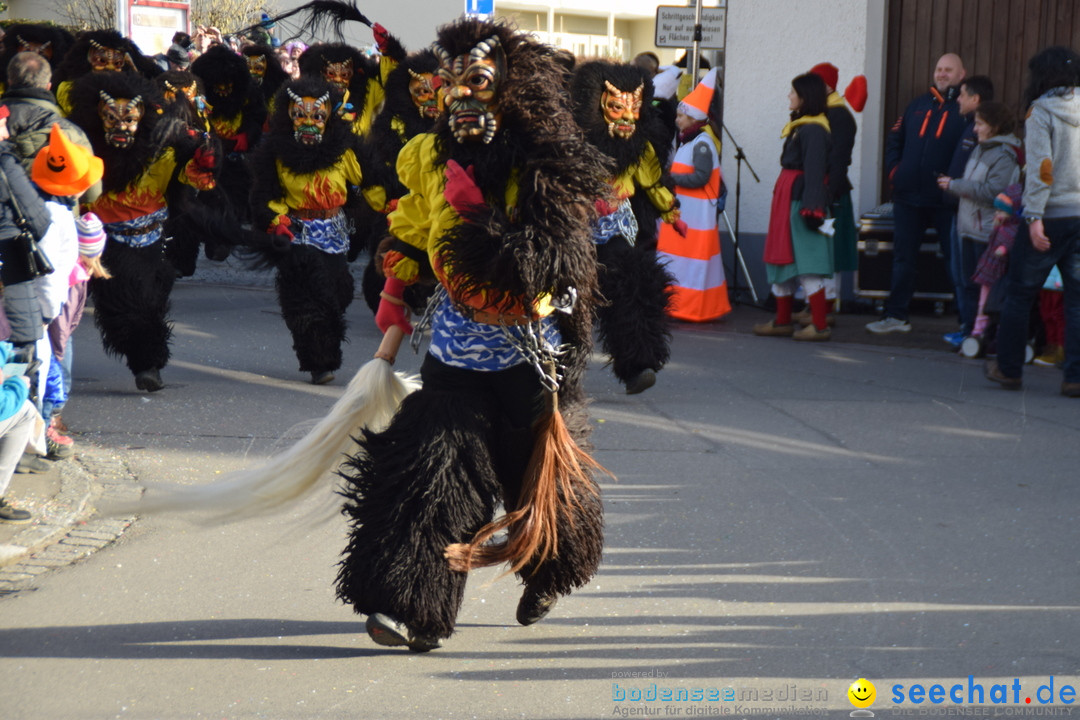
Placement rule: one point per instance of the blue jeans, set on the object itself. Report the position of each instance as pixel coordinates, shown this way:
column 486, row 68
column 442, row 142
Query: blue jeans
column 1028, row 269
column 909, row 225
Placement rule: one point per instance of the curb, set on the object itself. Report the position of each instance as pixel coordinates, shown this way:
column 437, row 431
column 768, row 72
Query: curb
column 65, row 530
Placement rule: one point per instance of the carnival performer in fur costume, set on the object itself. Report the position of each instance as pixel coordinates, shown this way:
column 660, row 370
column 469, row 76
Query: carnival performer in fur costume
column 120, row 113
column 266, row 72
column 197, row 217
column 499, row 203
column 98, row 51
column 613, row 105
column 303, row 171
column 361, row 79
column 49, row 41
column 411, row 108
column 237, row 115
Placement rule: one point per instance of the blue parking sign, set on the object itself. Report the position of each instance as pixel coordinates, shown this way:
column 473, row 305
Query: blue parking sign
column 479, row 7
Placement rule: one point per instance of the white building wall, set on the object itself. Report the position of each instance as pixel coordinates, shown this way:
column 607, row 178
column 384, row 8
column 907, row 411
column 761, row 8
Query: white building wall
column 768, row 44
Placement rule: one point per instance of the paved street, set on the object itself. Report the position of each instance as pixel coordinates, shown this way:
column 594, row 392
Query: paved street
column 787, row 517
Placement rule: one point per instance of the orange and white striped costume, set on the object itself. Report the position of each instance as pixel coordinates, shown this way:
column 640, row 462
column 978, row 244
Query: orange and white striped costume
column 700, row 291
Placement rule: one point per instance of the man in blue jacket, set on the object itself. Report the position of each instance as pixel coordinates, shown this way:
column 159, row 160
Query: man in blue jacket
column 918, row 148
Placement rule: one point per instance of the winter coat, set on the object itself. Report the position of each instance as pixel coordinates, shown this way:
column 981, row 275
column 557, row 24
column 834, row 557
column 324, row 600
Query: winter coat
column 992, row 167
column 14, row 391
column 32, row 114
column 920, row 146
column 15, row 268
column 1052, row 148
column 842, row 129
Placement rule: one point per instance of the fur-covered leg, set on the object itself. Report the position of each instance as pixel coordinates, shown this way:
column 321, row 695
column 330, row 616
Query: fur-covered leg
column 424, row 483
column 314, row 289
column 131, row 309
column 633, row 323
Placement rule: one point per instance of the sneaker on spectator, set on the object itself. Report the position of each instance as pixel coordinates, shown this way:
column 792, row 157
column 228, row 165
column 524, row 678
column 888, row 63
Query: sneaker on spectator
column 1052, row 357
column 888, row 325
column 955, row 339
column 59, row 446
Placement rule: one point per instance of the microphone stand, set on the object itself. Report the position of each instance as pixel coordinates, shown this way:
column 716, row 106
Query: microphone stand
column 740, row 158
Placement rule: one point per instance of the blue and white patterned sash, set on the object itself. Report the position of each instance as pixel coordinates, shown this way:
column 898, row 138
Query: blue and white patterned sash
column 331, row 235
column 463, row 343
column 621, row 222
column 129, row 232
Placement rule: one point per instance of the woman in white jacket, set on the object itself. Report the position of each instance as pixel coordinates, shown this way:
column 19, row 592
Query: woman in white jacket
column 993, row 166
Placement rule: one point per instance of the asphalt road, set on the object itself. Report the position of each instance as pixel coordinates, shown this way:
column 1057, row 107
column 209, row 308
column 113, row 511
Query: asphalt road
column 787, row 517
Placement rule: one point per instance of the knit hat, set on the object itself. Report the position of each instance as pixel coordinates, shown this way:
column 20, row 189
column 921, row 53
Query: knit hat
column 827, row 72
column 696, row 103
column 91, row 235
column 63, row 168
column 179, row 55
column 1009, row 200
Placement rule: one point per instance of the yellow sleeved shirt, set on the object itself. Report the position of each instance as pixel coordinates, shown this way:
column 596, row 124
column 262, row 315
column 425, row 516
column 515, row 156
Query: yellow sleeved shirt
column 647, row 173
column 324, row 189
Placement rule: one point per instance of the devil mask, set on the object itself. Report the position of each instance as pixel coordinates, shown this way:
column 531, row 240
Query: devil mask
column 120, row 119
column 621, row 110
column 422, row 89
column 309, row 116
column 470, row 88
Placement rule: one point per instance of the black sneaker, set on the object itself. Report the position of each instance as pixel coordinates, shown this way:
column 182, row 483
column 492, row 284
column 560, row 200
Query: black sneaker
column 321, row 377
column 534, row 606
column 12, row 515
column 30, row 463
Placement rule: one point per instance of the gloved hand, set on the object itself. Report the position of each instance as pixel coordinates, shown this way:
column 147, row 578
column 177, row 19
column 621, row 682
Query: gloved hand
column 814, row 219
column 681, row 227
column 205, row 158
column 461, row 190
column 382, row 36
column 280, row 234
column 603, row 207
column 240, row 143
column 392, row 308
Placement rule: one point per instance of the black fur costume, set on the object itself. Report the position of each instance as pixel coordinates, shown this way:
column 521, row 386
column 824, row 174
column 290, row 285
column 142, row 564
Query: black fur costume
column 462, row 443
column 237, row 116
column 76, row 63
column 314, row 287
column 274, row 76
column 313, row 61
column 22, row 37
column 398, row 122
column 196, row 218
column 634, row 328
column 130, row 309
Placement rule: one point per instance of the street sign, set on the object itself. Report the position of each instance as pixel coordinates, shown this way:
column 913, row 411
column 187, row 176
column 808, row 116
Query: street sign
column 675, row 27
column 480, row 7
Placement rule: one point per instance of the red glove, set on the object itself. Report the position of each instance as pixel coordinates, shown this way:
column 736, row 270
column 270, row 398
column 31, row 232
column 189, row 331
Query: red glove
column 392, row 308
column 603, row 207
column 461, row 190
column 680, row 227
column 382, row 35
column 240, row 143
column 280, row 233
column 205, row 159
column 814, row 219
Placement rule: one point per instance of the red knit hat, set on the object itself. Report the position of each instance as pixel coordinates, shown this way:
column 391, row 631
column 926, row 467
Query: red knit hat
column 827, row 72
